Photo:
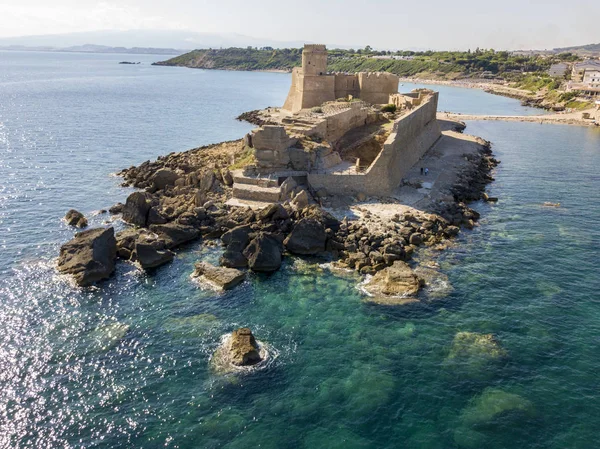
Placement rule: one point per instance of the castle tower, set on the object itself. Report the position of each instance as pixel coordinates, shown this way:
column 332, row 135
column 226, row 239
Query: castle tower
column 314, row 60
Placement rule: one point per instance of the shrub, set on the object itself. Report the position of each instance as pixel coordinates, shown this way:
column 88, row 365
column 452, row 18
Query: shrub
column 389, row 108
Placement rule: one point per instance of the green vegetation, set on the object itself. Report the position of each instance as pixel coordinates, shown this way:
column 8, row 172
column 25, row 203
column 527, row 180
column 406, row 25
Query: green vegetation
column 537, row 81
column 389, row 108
column 245, row 159
column 441, row 64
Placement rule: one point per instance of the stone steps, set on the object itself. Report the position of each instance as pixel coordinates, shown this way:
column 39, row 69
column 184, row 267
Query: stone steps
column 240, row 178
column 253, row 192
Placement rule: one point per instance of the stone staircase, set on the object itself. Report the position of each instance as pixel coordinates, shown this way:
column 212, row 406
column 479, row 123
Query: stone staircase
column 263, row 189
column 259, row 191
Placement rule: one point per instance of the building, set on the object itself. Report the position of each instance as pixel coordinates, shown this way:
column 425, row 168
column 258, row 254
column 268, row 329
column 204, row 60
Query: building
column 585, row 77
column 312, row 85
column 580, row 68
column 558, row 70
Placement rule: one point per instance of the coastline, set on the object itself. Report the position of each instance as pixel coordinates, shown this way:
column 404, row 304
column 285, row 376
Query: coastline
column 572, row 118
column 184, row 199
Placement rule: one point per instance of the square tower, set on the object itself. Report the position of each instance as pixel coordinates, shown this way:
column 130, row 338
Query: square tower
column 314, row 60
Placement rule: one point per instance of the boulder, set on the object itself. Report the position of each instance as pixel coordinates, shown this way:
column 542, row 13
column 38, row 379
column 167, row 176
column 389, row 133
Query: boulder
column 76, row 218
column 287, row 188
column 150, row 255
column 89, row 256
column 301, row 199
column 264, row 253
column 307, row 238
column 233, row 259
column 163, row 178
column 116, row 209
column 273, row 212
column 415, row 239
column 227, row 177
column 207, row 179
column 397, row 280
column 136, row 208
column 175, row 234
column 243, row 348
column 155, row 217
column 225, row 278
column 237, row 239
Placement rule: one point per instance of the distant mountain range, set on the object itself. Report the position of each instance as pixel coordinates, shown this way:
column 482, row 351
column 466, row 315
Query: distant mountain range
column 584, row 50
column 139, row 41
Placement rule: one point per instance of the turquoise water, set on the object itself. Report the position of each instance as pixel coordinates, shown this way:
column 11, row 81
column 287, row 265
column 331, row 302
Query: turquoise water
column 343, row 373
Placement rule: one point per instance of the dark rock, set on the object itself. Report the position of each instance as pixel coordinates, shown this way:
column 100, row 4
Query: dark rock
column 225, row 278
column 416, row 239
column 237, row 239
column 75, row 218
column 273, row 212
column 155, row 217
column 233, row 259
column 89, row 256
column 308, row 237
column 264, row 253
column 175, row 234
column 116, row 209
column 207, row 180
column 227, row 177
column 163, row 178
column 149, row 255
column 136, row 208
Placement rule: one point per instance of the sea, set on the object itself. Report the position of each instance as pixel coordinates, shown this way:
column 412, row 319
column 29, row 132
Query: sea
column 127, row 364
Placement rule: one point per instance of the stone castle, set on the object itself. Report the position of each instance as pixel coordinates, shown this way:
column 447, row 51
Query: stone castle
column 333, row 136
column 312, row 85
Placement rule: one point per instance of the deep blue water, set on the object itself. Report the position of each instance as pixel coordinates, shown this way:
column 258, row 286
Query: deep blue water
column 347, row 374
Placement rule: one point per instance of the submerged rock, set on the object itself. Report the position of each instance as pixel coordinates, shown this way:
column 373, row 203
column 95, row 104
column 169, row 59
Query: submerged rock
column 225, row 278
column 89, row 256
column 106, row 337
column 471, row 345
column 397, row 280
column 491, row 411
column 76, row 218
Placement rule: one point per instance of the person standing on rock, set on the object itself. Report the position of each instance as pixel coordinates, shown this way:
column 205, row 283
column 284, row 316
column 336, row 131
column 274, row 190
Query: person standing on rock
column 426, row 171
column 421, row 170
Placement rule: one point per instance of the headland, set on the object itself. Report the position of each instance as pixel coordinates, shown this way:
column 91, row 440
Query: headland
column 348, row 170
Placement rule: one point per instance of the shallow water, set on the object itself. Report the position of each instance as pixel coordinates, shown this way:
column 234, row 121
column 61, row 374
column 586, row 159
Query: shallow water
column 127, row 364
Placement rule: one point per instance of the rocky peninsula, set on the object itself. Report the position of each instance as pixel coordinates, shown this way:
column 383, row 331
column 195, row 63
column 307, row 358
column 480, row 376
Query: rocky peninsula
column 360, row 184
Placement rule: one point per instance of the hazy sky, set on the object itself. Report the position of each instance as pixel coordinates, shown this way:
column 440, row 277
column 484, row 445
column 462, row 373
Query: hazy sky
column 502, row 24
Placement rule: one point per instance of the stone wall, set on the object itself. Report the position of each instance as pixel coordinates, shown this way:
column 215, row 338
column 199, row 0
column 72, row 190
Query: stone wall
column 376, row 88
column 346, row 85
column 412, row 135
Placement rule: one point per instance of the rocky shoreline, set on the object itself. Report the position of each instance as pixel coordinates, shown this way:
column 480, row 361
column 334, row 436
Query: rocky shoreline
column 183, row 200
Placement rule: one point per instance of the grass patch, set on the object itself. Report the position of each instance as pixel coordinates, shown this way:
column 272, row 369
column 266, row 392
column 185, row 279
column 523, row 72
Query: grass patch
column 244, row 159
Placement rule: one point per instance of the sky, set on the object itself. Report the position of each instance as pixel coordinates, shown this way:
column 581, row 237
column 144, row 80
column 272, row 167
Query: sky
column 382, row 24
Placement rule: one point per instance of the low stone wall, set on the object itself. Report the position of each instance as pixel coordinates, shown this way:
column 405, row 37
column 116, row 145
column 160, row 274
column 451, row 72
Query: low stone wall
column 412, row 135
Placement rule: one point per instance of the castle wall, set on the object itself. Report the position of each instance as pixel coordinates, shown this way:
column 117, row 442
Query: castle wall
column 316, row 90
column 412, row 135
column 376, row 88
column 346, row 85
column 292, row 101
